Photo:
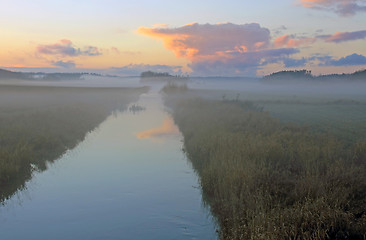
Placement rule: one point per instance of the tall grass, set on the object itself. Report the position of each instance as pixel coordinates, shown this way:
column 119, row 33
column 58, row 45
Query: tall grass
column 265, row 179
column 38, row 125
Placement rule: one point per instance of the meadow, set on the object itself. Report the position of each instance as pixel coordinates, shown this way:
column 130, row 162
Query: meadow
column 276, row 166
column 38, row 124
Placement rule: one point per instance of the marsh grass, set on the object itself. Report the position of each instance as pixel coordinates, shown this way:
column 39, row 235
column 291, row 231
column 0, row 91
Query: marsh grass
column 266, row 179
column 341, row 115
column 39, row 124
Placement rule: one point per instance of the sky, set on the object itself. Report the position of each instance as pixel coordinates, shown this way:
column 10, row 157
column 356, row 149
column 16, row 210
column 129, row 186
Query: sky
column 200, row 38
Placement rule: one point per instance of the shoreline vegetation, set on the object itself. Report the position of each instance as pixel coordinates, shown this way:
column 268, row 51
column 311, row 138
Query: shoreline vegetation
column 38, row 124
column 281, row 76
column 265, row 178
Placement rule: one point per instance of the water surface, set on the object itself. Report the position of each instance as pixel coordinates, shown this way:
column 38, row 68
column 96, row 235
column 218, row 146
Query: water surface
column 128, row 180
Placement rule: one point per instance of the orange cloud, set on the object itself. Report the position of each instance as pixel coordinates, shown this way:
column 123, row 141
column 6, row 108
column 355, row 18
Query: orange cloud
column 158, row 25
column 195, row 40
column 171, row 41
column 167, row 128
column 282, row 40
column 220, row 49
column 287, row 41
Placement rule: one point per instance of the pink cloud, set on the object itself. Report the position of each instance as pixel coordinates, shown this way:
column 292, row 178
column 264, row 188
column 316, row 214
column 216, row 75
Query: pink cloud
column 282, row 40
column 288, row 41
column 344, row 36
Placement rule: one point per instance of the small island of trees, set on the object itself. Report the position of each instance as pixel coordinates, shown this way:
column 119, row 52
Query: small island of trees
column 287, row 75
column 162, row 76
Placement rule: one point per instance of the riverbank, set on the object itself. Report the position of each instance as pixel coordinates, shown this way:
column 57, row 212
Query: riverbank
column 39, row 124
column 268, row 179
column 127, row 179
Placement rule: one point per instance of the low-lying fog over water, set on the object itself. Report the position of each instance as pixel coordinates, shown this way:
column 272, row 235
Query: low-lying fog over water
column 226, row 120
column 128, row 179
column 107, row 158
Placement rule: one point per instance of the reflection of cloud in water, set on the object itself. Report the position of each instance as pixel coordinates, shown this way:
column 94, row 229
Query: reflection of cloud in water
column 167, row 128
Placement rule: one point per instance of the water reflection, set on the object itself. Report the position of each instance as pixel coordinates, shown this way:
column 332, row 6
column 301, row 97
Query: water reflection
column 136, row 108
column 167, row 128
column 40, row 123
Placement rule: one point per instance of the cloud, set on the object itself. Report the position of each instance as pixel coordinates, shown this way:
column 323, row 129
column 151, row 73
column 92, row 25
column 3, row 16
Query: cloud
column 137, row 69
column 341, row 7
column 160, row 25
column 238, row 63
column 220, row 49
column 196, row 40
column 279, row 30
column 65, row 48
column 290, row 41
column 350, row 60
column 115, row 50
column 64, row 64
column 167, row 128
column 290, row 62
column 326, row 60
column 344, row 36
column 227, row 49
column 90, row 51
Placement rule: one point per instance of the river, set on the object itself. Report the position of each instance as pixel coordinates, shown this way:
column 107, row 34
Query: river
column 128, row 179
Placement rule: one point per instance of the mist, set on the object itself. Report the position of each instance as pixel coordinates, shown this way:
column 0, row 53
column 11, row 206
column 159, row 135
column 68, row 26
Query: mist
column 276, row 153
column 260, row 152
column 212, row 120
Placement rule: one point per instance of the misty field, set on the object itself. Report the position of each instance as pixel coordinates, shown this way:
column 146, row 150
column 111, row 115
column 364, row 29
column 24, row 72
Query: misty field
column 277, row 168
column 39, row 124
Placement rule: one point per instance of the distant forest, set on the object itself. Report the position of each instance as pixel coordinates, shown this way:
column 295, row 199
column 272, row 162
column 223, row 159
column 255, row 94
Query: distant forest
column 5, row 74
column 282, row 75
column 306, row 75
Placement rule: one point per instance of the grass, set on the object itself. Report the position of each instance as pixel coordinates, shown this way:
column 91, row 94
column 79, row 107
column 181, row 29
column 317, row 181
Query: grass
column 39, row 124
column 343, row 116
column 266, row 178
